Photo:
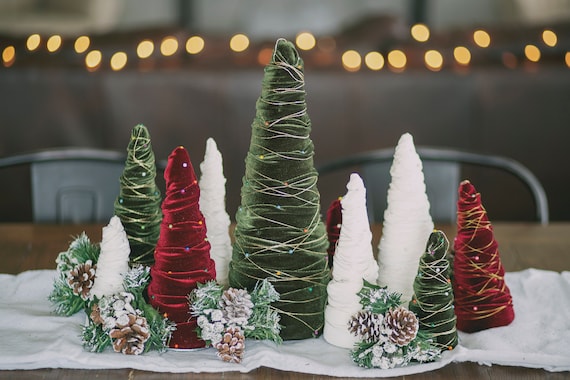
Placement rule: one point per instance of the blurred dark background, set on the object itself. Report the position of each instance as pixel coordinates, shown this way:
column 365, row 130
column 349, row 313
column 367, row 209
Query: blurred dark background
column 504, row 98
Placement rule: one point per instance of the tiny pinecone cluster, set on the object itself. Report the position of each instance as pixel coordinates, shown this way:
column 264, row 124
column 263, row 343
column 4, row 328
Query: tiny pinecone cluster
column 388, row 333
column 125, row 325
column 124, row 320
column 226, row 317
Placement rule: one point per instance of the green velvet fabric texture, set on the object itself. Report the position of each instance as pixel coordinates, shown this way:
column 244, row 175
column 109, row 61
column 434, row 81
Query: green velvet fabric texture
column 138, row 203
column 433, row 293
column 279, row 233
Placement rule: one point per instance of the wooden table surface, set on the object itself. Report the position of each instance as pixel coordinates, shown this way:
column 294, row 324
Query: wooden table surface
column 521, row 245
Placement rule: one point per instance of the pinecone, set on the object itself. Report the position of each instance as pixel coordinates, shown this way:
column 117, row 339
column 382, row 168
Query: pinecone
column 403, row 325
column 366, row 325
column 232, row 346
column 130, row 334
column 96, row 314
column 237, row 306
column 81, row 279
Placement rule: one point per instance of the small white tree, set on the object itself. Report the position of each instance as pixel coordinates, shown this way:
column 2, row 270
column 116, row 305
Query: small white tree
column 113, row 260
column 353, row 262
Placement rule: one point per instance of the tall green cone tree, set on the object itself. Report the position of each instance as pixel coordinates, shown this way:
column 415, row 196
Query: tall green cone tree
column 279, row 233
column 138, row 203
column 432, row 301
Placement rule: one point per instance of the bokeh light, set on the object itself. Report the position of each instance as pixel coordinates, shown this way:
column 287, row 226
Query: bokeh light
column 462, row 55
column 549, row 38
column 532, row 53
column 118, row 61
column 420, row 32
column 169, row 46
column 93, row 60
column 145, row 49
column 351, row 60
column 433, row 60
column 397, row 59
column 8, row 56
column 81, row 44
column 53, row 43
column 305, row 41
column 33, row 42
column 239, row 43
column 195, row 45
column 482, row 38
column 374, row 60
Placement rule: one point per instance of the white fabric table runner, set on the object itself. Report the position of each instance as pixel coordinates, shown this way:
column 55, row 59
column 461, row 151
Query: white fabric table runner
column 32, row 337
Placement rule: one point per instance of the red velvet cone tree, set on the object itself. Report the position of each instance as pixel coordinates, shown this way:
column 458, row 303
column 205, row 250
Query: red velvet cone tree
column 182, row 254
column 333, row 224
column 482, row 298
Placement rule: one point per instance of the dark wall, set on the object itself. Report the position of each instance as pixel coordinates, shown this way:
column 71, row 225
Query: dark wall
column 520, row 114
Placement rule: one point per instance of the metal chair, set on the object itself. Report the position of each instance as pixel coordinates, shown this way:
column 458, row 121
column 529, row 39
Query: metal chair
column 442, row 174
column 72, row 185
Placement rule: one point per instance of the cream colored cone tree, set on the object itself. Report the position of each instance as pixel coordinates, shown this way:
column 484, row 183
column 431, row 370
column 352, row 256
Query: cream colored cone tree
column 213, row 206
column 353, row 262
column 113, row 260
column 407, row 221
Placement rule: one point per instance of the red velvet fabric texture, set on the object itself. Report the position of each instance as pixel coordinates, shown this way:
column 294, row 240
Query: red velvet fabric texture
column 182, row 254
column 482, row 299
column 334, row 221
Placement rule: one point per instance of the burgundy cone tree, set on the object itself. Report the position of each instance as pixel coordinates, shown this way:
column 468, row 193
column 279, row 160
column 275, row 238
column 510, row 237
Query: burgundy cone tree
column 333, row 224
column 182, row 254
column 482, row 298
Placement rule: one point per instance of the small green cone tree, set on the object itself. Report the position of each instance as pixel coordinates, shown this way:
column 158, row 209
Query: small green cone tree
column 279, row 233
column 432, row 301
column 138, row 203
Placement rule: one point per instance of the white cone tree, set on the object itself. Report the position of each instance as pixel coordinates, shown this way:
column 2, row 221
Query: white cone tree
column 407, row 221
column 213, row 206
column 353, row 262
column 113, row 260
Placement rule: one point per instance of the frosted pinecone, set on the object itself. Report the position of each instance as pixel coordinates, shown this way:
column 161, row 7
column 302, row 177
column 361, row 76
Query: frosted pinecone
column 403, row 325
column 81, row 279
column 366, row 325
column 96, row 314
column 130, row 334
column 232, row 346
column 237, row 306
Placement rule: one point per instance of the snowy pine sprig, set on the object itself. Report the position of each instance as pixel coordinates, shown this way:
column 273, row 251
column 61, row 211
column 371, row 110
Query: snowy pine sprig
column 111, row 312
column 388, row 333
column 378, row 299
column 65, row 299
column 217, row 309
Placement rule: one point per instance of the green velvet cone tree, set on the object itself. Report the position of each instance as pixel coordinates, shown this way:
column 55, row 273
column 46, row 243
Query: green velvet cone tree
column 279, row 233
column 138, row 203
column 432, row 301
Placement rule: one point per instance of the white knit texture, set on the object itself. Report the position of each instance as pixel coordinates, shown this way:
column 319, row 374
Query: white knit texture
column 407, row 221
column 113, row 260
column 353, row 261
column 213, row 206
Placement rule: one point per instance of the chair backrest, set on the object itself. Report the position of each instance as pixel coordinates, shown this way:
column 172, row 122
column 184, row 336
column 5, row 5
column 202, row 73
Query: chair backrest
column 72, row 185
column 442, row 173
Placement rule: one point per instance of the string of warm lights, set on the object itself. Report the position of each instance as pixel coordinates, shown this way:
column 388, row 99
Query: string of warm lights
column 408, row 55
